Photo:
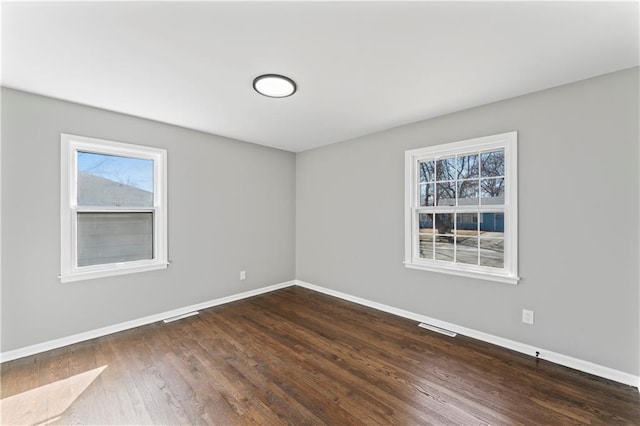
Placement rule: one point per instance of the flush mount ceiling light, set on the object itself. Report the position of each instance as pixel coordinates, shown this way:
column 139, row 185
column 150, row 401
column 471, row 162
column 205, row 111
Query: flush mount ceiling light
column 274, row 85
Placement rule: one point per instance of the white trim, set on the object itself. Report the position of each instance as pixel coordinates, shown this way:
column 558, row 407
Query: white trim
column 567, row 361
column 438, row 329
column 92, row 334
column 464, row 273
column 179, row 317
column 129, row 269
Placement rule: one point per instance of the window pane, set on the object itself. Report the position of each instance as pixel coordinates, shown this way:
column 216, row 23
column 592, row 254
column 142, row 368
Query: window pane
column 444, row 223
column 492, row 224
column 109, row 180
column 492, row 163
column 426, row 171
column 492, row 252
column 468, row 166
column 426, row 247
column 445, row 248
column 492, row 191
column 426, row 194
column 467, row 249
column 114, row 237
column 467, row 224
column 446, row 193
column 446, row 169
column 425, row 221
column 468, row 191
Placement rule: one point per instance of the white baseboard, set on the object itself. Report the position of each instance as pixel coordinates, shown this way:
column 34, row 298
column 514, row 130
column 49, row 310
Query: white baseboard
column 80, row 337
column 575, row 363
column 567, row 361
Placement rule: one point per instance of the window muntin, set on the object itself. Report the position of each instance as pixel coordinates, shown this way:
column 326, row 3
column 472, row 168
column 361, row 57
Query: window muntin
column 113, row 208
column 461, row 208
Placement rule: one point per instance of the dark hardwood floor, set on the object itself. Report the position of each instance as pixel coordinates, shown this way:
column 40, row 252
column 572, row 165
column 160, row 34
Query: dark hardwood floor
column 299, row 357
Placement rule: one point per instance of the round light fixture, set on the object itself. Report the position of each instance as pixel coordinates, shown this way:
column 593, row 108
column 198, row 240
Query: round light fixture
column 274, row 85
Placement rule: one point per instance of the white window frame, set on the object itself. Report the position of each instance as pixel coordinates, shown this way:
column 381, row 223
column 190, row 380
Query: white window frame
column 507, row 274
column 70, row 145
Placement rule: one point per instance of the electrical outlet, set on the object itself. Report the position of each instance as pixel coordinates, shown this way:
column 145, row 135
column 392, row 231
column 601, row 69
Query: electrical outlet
column 243, row 275
column 527, row 316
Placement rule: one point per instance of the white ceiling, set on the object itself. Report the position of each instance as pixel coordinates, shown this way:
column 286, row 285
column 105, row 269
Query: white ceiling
column 360, row 66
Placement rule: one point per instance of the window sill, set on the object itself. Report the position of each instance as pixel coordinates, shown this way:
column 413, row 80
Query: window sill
column 114, row 271
column 507, row 279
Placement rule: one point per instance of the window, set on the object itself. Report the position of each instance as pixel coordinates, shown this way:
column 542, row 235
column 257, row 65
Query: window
column 461, row 208
column 113, row 208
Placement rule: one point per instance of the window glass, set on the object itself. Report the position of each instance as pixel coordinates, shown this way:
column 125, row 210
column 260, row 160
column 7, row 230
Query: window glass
column 446, row 169
column 468, row 191
column 425, row 224
column 426, row 194
column 446, row 193
column 466, row 249
column 445, row 248
column 109, row 180
column 468, row 166
column 426, row 171
column 467, row 224
column 492, row 163
column 492, row 252
column 492, row 191
column 114, row 237
column 492, row 224
column 444, row 223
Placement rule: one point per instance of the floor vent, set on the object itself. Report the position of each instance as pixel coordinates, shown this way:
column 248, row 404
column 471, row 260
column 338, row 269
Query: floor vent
column 438, row 329
column 179, row 317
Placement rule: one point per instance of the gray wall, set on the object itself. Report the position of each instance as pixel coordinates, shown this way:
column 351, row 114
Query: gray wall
column 231, row 208
column 578, row 217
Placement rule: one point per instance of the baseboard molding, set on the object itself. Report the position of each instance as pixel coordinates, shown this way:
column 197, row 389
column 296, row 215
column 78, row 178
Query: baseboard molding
column 80, row 337
column 567, row 361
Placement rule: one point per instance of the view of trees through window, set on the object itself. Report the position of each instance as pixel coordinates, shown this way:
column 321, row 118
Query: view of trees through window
column 451, row 228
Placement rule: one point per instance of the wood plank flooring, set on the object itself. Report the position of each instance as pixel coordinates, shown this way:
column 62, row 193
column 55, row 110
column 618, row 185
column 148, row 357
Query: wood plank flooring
column 301, row 358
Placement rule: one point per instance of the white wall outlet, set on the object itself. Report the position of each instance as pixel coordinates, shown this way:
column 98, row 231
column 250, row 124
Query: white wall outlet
column 527, row 316
column 243, row 275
